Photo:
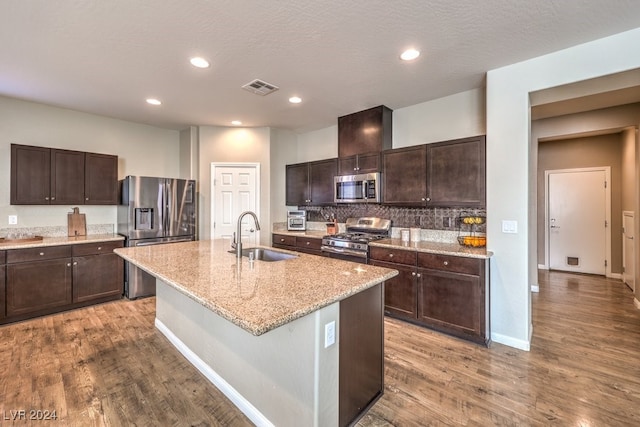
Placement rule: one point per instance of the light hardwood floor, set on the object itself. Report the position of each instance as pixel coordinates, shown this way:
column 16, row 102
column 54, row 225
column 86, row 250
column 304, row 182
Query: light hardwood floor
column 107, row 366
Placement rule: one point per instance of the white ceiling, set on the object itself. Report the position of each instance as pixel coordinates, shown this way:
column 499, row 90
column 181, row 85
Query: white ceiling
column 107, row 56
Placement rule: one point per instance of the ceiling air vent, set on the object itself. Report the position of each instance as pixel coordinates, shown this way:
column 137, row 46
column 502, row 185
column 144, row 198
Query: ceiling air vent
column 260, row 87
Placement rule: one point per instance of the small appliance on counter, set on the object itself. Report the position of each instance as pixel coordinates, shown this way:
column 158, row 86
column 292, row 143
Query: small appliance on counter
column 296, row 220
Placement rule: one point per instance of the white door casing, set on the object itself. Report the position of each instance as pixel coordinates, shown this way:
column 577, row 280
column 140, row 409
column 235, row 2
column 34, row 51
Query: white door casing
column 235, row 188
column 628, row 250
column 578, row 215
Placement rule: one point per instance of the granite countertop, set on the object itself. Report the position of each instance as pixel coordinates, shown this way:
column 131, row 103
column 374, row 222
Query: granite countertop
column 58, row 241
column 441, row 248
column 257, row 296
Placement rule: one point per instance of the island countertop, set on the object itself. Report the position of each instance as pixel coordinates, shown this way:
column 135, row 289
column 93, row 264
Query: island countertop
column 257, row 296
column 58, row 241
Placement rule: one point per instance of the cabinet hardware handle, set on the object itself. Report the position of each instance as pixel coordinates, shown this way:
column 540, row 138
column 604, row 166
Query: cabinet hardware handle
column 390, row 255
column 308, row 243
column 68, row 264
column 423, row 199
column 428, row 199
column 446, row 263
column 86, row 198
column 75, row 263
column 41, row 253
column 419, row 275
column 282, row 240
column 413, row 274
column 99, row 248
column 46, row 198
column 53, row 198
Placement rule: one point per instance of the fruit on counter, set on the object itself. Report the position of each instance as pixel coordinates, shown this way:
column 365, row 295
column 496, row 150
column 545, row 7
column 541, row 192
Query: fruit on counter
column 475, row 241
column 472, row 220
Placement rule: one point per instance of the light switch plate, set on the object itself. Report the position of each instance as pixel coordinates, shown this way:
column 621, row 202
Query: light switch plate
column 509, row 226
column 13, row 219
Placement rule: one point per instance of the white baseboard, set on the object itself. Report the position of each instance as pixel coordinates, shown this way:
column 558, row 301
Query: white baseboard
column 615, row 276
column 236, row 398
column 535, row 288
column 512, row 342
column 543, row 267
column 636, row 303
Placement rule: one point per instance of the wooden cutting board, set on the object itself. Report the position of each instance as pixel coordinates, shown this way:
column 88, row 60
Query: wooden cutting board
column 77, row 224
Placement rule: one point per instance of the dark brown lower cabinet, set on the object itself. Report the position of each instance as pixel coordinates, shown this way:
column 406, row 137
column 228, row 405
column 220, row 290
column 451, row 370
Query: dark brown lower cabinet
column 304, row 244
column 49, row 279
column 97, row 272
column 449, row 301
column 400, row 292
column 3, row 288
column 361, row 360
column 38, row 286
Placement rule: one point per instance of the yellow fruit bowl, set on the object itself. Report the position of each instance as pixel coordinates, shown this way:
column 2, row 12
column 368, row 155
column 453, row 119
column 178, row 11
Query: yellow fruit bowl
column 469, row 220
column 473, row 241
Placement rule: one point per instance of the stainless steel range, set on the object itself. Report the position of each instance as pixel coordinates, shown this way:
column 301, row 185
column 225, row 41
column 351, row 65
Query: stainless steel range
column 353, row 245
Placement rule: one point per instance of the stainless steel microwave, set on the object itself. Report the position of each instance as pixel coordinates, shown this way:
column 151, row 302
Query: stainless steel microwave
column 362, row 188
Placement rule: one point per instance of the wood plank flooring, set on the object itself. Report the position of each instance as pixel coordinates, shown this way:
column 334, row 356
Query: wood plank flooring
column 107, row 366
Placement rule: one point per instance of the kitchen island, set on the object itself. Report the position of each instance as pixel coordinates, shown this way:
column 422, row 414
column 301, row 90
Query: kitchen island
column 291, row 342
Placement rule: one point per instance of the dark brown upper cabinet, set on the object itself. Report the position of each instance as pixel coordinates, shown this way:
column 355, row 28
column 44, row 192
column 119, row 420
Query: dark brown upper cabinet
column 367, row 131
column 360, row 163
column 456, row 173
column 443, row 174
column 310, row 184
column 49, row 176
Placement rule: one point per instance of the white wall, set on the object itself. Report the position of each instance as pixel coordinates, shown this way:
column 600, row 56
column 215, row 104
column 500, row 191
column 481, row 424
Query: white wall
column 142, row 150
column 244, row 145
column 283, row 152
column 456, row 116
column 509, row 171
column 318, row 144
column 629, row 181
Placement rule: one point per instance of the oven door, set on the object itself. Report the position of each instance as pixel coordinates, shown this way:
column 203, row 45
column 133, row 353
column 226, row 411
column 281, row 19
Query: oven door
column 344, row 254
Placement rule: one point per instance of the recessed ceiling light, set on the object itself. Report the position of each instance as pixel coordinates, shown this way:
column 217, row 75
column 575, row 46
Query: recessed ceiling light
column 236, row 122
column 153, row 101
column 199, row 62
column 409, row 54
column 295, row 100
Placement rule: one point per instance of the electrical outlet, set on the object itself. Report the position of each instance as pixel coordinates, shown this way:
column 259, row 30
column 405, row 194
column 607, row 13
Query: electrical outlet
column 446, row 222
column 13, row 219
column 329, row 334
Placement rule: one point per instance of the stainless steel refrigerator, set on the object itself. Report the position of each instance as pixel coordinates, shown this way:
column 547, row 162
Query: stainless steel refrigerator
column 154, row 211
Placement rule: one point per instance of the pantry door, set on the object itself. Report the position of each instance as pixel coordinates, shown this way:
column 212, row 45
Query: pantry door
column 235, row 188
column 577, row 221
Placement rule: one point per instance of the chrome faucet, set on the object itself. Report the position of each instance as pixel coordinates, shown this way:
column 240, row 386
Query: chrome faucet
column 238, row 234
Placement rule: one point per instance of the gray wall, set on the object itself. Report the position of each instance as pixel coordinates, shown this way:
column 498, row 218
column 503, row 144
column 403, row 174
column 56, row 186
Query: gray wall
column 595, row 151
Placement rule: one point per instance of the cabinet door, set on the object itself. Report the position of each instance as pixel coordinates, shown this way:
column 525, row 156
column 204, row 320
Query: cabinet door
column 97, row 276
column 321, row 176
column 348, row 165
column 3, row 292
column 365, row 131
column 36, row 286
column 30, row 175
column 101, row 179
column 67, row 177
column 401, row 291
column 404, row 176
column 297, row 184
column 362, row 163
column 451, row 302
column 456, row 173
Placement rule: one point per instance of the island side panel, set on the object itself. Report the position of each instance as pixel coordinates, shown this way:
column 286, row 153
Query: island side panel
column 361, row 353
column 284, row 377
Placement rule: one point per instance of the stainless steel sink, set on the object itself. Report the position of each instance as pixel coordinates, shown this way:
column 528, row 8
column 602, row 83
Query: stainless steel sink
column 264, row 254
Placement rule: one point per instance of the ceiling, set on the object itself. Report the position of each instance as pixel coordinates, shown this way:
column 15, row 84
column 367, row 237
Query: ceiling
column 107, row 57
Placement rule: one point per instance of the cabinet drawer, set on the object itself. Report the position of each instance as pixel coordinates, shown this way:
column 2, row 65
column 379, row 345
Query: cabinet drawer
column 281, row 239
column 399, row 256
column 308, row 243
column 96, row 248
column 454, row 264
column 3, row 257
column 38, row 254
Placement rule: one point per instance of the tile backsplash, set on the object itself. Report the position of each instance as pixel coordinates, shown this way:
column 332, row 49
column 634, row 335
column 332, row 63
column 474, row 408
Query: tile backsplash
column 425, row 218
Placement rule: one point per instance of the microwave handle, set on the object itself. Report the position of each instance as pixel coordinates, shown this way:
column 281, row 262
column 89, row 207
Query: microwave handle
column 365, row 185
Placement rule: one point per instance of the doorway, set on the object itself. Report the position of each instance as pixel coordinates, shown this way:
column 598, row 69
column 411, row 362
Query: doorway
column 235, row 188
column 628, row 250
column 578, row 211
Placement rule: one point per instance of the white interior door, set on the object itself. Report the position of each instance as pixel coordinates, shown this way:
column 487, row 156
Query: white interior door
column 235, row 189
column 628, row 250
column 577, row 221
